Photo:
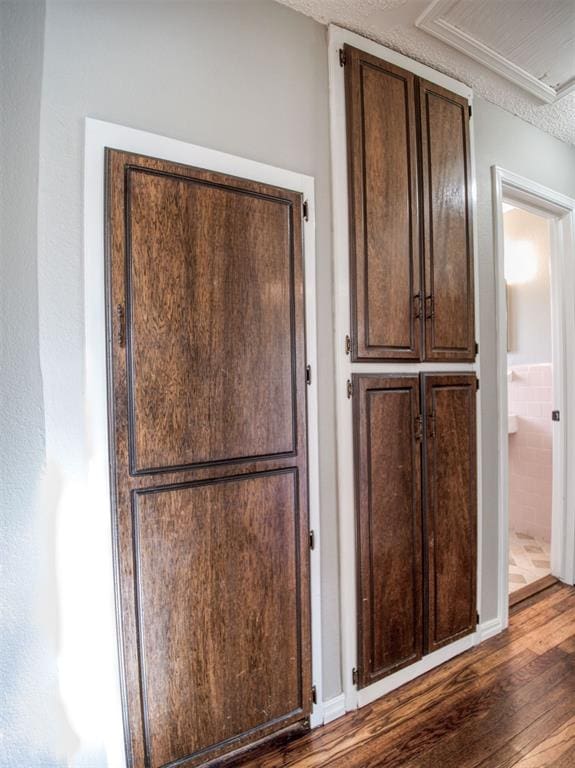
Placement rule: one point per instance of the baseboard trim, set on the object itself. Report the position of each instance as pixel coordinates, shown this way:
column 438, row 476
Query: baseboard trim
column 489, row 629
column 333, row 708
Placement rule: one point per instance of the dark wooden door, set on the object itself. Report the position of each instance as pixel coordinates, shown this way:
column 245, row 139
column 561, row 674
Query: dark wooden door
column 447, row 229
column 208, row 443
column 383, row 209
column 387, row 433
column 450, row 507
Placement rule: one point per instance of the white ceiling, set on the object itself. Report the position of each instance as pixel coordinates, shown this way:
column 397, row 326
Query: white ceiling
column 536, row 37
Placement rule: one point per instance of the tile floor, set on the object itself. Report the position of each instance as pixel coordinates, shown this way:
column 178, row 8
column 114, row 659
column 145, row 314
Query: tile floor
column 529, row 559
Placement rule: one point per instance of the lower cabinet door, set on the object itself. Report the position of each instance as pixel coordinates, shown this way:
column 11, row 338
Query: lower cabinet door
column 450, row 519
column 387, row 434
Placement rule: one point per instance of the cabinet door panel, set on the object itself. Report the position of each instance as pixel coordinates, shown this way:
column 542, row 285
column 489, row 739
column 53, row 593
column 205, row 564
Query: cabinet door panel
column 450, row 507
column 209, row 459
column 388, row 513
column 447, row 241
column 384, row 237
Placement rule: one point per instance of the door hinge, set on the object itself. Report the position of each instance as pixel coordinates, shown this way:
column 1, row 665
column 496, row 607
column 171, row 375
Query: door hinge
column 476, row 384
column 419, row 428
column 308, row 374
column 349, row 389
column 476, row 348
column 312, row 540
column 355, row 676
column 555, row 416
column 121, row 317
column 314, row 694
column 305, row 210
column 341, row 57
column 477, row 617
column 470, row 111
column 347, row 345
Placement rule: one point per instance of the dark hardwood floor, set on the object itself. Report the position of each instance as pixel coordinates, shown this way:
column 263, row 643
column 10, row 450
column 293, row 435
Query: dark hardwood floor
column 507, row 702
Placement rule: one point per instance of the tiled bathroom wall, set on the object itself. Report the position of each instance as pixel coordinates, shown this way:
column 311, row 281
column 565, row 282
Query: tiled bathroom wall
column 530, row 450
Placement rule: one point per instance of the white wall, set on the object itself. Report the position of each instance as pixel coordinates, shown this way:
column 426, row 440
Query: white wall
column 529, row 301
column 31, row 722
column 247, row 77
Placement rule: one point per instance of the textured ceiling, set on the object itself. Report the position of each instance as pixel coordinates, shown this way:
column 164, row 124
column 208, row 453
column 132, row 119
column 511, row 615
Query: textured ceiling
column 392, row 23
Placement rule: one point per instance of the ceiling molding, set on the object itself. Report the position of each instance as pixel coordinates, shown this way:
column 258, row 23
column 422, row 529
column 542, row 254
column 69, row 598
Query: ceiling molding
column 431, row 21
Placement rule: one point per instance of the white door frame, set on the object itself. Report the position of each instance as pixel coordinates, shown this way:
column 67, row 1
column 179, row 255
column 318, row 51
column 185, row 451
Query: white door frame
column 337, row 37
column 560, row 210
column 98, row 136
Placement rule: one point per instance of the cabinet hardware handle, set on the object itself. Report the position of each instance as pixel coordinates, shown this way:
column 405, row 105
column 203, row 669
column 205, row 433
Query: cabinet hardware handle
column 418, row 429
column 121, row 325
column 429, row 307
column 417, row 302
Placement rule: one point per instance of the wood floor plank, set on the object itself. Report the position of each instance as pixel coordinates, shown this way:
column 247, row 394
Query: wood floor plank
column 405, row 744
column 523, row 742
column 547, row 752
column 506, row 701
column 480, row 738
column 531, row 589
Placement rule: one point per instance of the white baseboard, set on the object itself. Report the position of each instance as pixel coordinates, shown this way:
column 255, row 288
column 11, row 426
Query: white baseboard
column 333, row 708
column 489, row 629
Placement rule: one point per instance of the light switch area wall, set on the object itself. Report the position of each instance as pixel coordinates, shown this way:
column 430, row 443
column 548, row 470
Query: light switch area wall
column 527, row 270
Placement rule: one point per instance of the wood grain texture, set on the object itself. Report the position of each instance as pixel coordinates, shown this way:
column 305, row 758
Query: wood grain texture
column 206, row 581
column 388, row 513
column 383, row 209
column 493, row 706
column 447, row 224
column 531, row 589
column 210, row 281
column 450, row 506
column 207, row 400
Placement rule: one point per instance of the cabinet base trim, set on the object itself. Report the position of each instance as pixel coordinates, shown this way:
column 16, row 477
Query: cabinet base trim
column 333, row 708
column 427, row 663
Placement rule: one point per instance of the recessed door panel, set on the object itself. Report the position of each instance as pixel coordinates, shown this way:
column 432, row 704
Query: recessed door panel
column 384, row 237
column 207, row 391
column 210, row 282
column 450, row 507
column 447, row 237
column 387, row 429
column 217, row 585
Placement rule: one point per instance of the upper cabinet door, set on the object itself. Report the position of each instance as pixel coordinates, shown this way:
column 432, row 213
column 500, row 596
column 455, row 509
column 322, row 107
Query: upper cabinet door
column 447, row 226
column 450, row 507
column 383, row 210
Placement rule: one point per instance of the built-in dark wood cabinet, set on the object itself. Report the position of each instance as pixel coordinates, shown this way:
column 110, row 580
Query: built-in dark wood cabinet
column 388, row 497
column 450, row 507
column 409, row 176
column 207, row 392
column 415, row 485
column 447, row 242
column 384, row 214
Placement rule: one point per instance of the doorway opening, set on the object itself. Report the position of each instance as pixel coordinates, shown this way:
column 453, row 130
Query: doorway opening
column 530, row 407
column 534, row 235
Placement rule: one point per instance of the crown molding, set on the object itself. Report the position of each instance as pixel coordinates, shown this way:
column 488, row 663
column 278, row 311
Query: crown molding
column 432, row 21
